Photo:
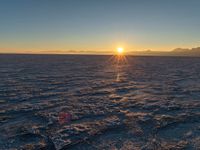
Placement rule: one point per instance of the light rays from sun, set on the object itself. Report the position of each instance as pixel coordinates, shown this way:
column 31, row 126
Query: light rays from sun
column 119, row 62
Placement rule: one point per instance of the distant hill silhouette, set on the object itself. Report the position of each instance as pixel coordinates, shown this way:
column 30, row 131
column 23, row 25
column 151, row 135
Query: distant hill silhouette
column 176, row 52
column 187, row 52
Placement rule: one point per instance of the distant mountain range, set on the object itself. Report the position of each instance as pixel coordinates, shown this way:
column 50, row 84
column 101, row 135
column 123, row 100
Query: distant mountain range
column 193, row 52
column 175, row 52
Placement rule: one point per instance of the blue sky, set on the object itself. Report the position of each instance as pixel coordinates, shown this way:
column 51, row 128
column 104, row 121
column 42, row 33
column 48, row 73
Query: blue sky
column 98, row 25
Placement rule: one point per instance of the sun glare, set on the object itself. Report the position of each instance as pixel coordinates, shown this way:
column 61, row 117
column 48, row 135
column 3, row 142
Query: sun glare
column 120, row 50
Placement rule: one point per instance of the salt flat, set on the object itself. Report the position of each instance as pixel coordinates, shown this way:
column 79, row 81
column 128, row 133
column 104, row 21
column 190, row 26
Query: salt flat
column 145, row 103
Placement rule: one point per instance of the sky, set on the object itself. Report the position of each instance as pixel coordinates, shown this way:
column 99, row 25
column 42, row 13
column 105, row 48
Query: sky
column 77, row 26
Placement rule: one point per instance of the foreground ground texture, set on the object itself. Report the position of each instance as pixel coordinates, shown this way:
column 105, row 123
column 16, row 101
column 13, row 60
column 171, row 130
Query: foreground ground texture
column 145, row 103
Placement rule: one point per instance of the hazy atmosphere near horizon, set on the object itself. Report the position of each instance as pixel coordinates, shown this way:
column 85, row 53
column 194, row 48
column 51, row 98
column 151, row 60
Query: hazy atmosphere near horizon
column 99, row 75
column 98, row 26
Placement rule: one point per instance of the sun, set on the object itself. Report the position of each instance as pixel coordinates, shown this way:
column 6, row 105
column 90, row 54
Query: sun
column 120, row 50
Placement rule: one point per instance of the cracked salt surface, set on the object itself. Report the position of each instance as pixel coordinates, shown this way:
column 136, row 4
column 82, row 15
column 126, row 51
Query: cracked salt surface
column 147, row 103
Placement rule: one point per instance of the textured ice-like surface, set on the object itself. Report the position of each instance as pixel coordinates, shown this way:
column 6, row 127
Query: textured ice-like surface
column 148, row 103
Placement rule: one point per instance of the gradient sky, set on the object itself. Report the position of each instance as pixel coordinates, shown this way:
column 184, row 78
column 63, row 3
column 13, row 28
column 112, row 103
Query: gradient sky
column 59, row 26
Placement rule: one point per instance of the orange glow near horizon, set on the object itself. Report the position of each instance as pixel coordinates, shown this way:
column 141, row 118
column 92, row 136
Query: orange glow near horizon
column 49, row 48
column 120, row 51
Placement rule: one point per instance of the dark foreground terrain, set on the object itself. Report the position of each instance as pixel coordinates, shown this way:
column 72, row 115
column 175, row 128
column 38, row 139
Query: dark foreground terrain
column 147, row 103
